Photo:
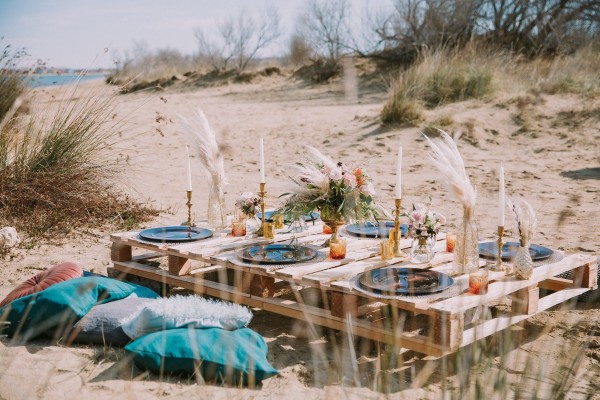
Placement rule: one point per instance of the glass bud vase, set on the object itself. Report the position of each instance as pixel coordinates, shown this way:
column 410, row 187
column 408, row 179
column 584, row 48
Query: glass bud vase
column 216, row 207
column 523, row 264
column 252, row 223
column 466, row 250
column 421, row 251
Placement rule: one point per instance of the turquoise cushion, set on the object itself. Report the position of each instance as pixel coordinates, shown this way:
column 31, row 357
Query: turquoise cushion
column 218, row 355
column 60, row 305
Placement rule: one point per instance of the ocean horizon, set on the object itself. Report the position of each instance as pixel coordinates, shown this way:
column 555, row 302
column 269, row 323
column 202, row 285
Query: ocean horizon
column 34, row 81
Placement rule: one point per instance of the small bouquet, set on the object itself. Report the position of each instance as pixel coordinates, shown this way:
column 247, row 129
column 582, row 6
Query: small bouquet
column 424, row 222
column 248, row 203
column 339, row 192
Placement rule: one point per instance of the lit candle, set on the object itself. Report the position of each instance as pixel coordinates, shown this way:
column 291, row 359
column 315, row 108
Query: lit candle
column 501, row 196
column 399, row 175
column 189, row 169
column 262, row 162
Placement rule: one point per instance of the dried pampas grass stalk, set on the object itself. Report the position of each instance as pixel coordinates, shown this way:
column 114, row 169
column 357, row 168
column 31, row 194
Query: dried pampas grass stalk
column 447, row 159
column 525, row 217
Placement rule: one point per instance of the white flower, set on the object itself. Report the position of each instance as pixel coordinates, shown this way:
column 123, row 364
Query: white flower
column 367, row 189
column 335, row 174
column 350, row 180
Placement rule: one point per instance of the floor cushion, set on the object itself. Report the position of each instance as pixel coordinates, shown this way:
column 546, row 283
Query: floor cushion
column 233, row 357
column 186, row 311
column 62, row 304
column 103, row 323
column 43, row 280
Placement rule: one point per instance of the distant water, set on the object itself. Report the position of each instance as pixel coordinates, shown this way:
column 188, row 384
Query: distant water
column 57, row 80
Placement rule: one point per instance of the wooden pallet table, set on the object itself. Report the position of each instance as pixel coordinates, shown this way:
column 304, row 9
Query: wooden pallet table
column 429, row 325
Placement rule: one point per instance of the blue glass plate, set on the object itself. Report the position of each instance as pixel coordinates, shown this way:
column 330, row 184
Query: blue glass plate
column 401, row 281
column 177, row 233
column 288, row 218
column 276, row 254
column 509, row 251
column 374, row 230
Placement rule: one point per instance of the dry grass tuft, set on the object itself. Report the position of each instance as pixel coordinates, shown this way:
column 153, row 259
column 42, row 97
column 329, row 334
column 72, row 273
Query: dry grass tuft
column 57, row 173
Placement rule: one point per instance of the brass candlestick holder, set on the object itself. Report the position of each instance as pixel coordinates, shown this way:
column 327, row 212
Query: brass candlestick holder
column 396, row 247
column 499, row 266
column 261, row 230
column 189, row 206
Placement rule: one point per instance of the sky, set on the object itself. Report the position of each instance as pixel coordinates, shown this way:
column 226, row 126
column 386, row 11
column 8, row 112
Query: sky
column 94, row 33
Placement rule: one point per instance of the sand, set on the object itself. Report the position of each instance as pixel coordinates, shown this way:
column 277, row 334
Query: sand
column 551, row 156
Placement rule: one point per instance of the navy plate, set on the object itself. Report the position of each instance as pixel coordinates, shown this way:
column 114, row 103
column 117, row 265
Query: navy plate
column 373, row 230
column 399, row 281
column 276, row 254
column 288, row 218
column 177, row 233
column 509, row 251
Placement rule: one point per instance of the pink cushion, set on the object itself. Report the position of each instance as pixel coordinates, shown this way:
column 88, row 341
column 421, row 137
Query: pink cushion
column 43, row 280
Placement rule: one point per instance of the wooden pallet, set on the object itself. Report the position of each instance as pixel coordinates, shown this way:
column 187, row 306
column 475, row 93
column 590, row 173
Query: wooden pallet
column 433, row 327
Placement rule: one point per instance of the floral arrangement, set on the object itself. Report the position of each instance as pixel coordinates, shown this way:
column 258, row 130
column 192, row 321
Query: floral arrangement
column 423, row 221
column 336, row 190
column 248, row 203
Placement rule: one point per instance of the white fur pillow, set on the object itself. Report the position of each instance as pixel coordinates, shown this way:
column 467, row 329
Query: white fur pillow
column 185, row 311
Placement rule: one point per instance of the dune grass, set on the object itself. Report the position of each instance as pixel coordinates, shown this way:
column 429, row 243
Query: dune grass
column 57, row 172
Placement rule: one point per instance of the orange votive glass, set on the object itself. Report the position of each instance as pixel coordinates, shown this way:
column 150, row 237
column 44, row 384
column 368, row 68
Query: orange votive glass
column 450, row 242
column 238, row 228
column 327, row 229
column 337, row 248
column 478, row 282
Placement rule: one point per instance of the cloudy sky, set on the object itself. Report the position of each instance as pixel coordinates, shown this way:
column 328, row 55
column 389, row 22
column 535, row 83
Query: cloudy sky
column 75, row 33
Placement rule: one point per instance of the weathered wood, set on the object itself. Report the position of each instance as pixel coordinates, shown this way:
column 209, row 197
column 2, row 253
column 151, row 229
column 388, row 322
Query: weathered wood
column 525, row 301
column 343, row 305
column 447, row 330
column 258, row 285
column 586, row 276
column 120, row 252
column 179, row 265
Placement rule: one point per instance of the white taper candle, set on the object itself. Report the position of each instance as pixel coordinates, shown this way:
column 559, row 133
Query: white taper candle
column 189, row 169
column 399, row 175
column 501, row 197
column 262, row 162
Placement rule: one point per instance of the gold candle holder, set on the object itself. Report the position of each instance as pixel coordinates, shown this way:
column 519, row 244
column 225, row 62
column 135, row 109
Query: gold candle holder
column 260, row 231
column 189, row 206
column 396, row 241
column 499, row 266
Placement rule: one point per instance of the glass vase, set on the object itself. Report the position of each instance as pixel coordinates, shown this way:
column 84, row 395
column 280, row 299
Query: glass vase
column 466, row 250
column 252, row 224
column 422, row 250
column 217, row 217
column 523, row 264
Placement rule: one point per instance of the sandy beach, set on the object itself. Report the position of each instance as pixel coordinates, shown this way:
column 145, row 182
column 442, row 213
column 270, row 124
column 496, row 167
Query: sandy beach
column 555, row 164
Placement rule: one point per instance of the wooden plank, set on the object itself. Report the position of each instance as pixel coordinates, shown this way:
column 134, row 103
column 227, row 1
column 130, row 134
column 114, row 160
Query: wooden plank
column 525, row 301
column 179, row 265
column 503, row 321
column 586, row 276
column 120, row 252
column 146, row 256
column 510, row 285
column 343, row 305
column 556, row 284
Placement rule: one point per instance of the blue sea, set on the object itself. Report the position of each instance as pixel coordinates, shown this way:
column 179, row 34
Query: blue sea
column 60, row 79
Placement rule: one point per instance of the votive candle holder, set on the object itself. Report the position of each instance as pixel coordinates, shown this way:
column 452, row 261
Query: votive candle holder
column 386, row 250
column 278, row 221
column 478, row 281
column 327, row 229
column 238, row 228
column 337, row 248
column 450, row 242
column 269, row 230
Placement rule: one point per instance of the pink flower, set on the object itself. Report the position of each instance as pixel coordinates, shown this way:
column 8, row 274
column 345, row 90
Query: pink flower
column 418, row 216
column 350, row 180
column 335, row 174
column 367, row 189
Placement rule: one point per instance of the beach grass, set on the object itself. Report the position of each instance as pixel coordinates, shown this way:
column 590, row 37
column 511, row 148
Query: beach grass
column 57, row 172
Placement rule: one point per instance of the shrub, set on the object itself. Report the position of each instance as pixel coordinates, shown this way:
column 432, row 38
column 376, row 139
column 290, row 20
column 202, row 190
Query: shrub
column 11, row 84
column 56, row 172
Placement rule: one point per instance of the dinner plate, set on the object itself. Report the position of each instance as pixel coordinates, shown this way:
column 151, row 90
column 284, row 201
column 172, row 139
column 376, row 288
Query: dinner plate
column 288, row 218
column 276, row 254
column 373, row 230
column 179, row 233
column 401, row 281
column 509, row 251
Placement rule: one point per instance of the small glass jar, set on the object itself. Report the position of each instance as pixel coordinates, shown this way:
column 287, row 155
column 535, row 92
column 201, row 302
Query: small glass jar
column 450, row 242
column 269, row 230
column 337, row 248
column 478, row 281
column 278, row 221
column 327, row 229
column 421, row 251
column 386, row 249
column 238, row 228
